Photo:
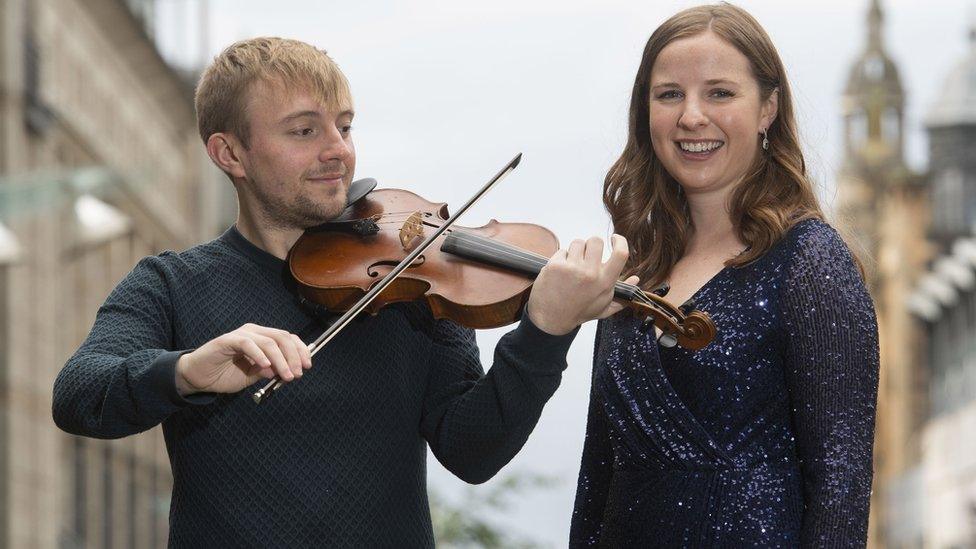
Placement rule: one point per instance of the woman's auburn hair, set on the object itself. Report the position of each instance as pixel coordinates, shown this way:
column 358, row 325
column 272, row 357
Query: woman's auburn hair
column 648, row 206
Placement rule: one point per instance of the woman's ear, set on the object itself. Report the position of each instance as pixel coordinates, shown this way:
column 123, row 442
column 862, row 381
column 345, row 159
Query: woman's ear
column 223, row 149
column 769, row 110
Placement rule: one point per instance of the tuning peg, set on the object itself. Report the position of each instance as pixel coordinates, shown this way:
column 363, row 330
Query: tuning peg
column 668, row 340
column 688, row 306
column 662, row 289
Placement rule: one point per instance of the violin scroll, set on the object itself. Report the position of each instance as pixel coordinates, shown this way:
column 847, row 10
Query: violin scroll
column 692, row 330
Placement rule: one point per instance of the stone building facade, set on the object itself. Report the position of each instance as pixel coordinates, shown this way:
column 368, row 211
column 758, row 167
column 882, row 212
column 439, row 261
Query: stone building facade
column 883, row 209
column 100, row 165
column 944, row 304
column 916, row 232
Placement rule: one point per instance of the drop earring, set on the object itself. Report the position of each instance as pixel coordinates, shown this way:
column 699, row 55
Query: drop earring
column 765, row 141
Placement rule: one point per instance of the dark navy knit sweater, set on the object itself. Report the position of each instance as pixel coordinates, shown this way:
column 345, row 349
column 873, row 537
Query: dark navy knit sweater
column 336, row 458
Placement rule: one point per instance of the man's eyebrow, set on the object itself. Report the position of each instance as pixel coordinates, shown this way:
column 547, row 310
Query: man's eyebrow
column 313, row 114
column 300, row 114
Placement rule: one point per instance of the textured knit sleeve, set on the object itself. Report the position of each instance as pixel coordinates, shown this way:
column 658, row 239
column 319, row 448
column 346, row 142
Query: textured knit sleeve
column 122, row 380
column 595, row 468
column 832, row 378
column 476, row 423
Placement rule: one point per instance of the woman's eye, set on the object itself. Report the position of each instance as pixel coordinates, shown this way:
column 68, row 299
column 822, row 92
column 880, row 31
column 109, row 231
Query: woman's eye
column 346, row 129
column 304, row 132
column 669, row 94
column 723, row 93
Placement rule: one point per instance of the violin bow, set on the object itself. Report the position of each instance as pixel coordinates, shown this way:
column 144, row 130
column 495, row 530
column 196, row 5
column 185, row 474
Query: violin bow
column 364, row 301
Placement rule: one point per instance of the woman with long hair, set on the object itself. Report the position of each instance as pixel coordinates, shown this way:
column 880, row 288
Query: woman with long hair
column 764, row 437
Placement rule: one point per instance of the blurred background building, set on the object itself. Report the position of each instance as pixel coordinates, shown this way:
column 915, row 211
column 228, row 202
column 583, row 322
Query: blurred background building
column 100, row 165
column 917, row 232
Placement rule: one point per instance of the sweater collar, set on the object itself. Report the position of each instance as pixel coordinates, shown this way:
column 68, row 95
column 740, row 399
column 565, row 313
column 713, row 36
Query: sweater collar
column 235, row 239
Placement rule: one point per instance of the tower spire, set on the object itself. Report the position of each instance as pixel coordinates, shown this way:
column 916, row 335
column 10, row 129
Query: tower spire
column 875, row 21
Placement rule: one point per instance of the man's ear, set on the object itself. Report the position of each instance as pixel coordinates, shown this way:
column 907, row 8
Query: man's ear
column 223, row 149
column 769, row 110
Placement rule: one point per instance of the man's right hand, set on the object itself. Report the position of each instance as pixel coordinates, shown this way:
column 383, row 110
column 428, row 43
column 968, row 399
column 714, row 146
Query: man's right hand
column 235, row 360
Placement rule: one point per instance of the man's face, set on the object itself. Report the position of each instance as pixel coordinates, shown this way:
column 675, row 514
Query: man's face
column 300, row 160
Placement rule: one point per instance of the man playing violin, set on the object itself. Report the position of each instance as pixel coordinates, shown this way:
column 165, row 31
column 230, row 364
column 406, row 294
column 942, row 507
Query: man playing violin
column 338, row 458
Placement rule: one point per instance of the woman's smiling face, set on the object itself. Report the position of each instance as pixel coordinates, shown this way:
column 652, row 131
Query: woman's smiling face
column 706, row 113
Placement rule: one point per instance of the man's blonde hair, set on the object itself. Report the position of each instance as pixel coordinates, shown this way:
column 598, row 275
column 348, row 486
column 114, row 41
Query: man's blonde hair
column 222, row 93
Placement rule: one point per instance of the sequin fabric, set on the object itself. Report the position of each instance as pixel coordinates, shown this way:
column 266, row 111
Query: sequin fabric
column 762, row 438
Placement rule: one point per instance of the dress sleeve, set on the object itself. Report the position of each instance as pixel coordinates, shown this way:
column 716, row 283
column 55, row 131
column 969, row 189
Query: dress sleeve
column 476, row 423
column 122, row 380
column 831, row 372
column 595, row 469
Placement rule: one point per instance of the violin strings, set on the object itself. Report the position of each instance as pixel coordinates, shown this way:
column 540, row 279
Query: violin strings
column 484, row 243
column 637, row 292
column 534, row 260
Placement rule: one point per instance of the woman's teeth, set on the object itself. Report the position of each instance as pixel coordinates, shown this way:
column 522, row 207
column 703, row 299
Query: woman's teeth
column 700, row 147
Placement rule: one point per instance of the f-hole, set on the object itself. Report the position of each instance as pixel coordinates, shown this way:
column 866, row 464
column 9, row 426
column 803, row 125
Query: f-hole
column 373, row 272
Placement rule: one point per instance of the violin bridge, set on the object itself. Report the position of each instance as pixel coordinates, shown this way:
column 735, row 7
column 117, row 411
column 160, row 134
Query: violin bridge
column 412, row 228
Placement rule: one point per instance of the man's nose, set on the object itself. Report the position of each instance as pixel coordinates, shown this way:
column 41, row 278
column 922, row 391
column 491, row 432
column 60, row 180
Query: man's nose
column 692, row 116
column 335, row 146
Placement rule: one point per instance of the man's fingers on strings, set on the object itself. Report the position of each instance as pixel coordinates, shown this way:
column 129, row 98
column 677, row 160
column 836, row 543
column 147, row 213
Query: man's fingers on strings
column 559, row 256
column 618, row 256
column 593, row 253
column 592, row 264
column 575, row 252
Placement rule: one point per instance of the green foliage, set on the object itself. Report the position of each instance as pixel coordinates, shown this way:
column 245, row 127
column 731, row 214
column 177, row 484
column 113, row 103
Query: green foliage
column 468, row 523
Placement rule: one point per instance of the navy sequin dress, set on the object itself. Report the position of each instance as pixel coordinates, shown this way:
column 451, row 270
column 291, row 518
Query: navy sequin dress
column 762, row 438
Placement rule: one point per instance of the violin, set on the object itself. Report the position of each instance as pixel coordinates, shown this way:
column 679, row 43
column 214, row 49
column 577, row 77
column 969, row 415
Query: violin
column 477, row 277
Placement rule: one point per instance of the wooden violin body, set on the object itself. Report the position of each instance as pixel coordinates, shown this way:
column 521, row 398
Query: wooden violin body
column 335, row 264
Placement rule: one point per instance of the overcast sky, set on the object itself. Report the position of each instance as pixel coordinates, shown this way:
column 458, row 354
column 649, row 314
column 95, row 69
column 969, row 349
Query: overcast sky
column 447, row 91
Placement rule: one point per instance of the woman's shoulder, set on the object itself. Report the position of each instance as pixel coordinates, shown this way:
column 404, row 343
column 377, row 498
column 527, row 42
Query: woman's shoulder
column 812, row 231
column 814, row 240
column 816, row 254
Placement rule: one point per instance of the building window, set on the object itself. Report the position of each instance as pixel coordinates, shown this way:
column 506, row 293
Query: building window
column 857, row 129
column 37, row 116
column 948, row 202
column 891, row 126
column 956, row 195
